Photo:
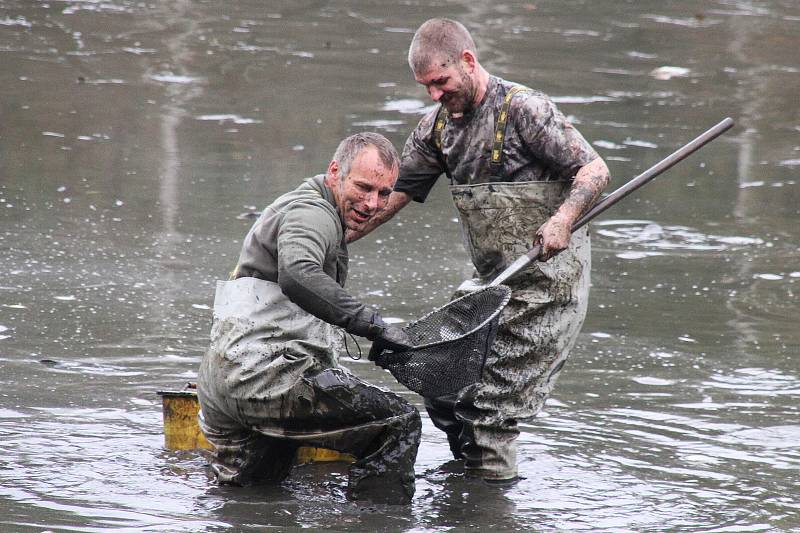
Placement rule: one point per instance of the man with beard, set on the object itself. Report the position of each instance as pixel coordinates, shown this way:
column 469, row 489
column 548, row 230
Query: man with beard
column 270, row 381
column 519, row 174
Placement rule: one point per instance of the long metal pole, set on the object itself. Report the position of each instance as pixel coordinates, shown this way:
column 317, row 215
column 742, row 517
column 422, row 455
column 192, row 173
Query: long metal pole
column 643, row 178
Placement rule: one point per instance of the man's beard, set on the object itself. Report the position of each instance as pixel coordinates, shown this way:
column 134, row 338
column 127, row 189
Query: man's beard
column 463, row 100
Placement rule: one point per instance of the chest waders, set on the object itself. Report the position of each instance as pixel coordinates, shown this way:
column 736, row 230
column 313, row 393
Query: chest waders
column 537, row 328
column 269, row 383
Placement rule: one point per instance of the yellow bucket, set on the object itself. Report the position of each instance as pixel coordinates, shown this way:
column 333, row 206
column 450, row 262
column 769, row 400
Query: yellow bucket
column 182, row 431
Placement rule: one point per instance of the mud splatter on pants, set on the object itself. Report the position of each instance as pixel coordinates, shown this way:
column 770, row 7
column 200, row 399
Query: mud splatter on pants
column 537, row 328
column 531, row 348
column 332, row 409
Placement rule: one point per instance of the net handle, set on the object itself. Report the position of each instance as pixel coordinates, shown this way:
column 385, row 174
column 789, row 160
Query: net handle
column 640, row 180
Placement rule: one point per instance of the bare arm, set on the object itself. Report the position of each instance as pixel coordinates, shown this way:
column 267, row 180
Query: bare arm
column 588, row 184
column 397, row 201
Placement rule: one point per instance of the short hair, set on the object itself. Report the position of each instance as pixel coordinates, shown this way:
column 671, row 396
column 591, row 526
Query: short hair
column 351, row 146
column 438, row 39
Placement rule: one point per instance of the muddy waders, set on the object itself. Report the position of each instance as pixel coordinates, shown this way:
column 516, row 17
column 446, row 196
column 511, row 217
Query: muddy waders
column 537, row 328
column 269, row 383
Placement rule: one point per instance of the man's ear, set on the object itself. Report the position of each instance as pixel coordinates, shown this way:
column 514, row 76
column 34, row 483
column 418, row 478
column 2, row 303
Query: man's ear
column 469, row 60
column 332, row 177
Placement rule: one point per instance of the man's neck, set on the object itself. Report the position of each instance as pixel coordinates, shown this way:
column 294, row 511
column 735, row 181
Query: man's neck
column 483, row 85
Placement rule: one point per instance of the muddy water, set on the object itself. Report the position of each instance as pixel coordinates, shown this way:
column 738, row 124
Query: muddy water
column 136, row 138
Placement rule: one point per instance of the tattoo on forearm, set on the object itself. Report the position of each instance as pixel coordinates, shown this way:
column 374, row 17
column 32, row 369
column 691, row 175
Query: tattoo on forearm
column 584, row 193
column 587, row 193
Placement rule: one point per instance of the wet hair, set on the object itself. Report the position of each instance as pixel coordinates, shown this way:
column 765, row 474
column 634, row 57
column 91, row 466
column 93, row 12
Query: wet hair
column 351, row 146
column 438, row 39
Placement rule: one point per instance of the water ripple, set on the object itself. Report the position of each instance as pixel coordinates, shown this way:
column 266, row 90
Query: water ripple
column 651, row 235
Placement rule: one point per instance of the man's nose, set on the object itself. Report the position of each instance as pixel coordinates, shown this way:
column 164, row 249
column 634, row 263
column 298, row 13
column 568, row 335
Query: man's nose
column 372, row 200
column 435, row 93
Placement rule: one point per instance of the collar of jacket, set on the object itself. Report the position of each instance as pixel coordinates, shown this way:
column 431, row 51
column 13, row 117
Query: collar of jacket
column 318, row 184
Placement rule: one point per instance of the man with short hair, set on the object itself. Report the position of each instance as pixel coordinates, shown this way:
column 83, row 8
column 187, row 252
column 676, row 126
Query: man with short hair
column 270, row 381
column 519, row 173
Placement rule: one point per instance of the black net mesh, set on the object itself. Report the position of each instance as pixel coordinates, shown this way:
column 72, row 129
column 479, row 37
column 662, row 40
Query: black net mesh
column 451, row 344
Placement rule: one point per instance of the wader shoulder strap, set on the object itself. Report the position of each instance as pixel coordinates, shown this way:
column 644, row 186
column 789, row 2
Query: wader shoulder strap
column 438, row 126
column 500, row 128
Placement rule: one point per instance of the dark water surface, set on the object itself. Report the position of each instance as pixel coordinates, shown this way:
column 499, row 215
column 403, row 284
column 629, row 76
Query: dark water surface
column 136, row 136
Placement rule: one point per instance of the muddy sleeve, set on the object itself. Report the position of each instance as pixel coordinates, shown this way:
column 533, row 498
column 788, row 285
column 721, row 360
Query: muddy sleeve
column 419, row 164
column 308, row 235
column 550, row 137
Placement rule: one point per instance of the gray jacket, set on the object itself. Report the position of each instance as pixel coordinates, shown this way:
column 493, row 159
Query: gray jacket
column 299, row 243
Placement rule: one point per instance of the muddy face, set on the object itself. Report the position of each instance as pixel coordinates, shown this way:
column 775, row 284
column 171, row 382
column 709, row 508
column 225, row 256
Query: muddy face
column 451, row 84
column 365, row 190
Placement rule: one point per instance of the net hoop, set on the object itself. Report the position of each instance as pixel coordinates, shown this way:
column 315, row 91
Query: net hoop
column 452, row 303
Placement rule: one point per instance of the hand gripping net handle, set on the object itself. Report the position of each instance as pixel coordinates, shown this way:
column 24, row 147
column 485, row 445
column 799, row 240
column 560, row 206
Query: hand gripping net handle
column 451, row 344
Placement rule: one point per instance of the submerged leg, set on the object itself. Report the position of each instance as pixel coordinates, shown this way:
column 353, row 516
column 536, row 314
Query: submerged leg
column 242, row 457
column 378, row 427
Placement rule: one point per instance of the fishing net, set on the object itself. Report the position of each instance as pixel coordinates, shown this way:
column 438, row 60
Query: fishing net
column 451, row 344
